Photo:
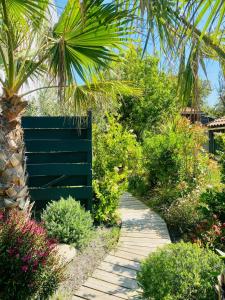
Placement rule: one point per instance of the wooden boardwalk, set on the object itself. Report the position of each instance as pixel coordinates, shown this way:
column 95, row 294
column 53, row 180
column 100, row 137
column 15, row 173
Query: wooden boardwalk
column 141, row 233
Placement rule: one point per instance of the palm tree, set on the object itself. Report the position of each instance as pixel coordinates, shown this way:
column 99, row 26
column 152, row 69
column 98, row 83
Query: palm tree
column 80, row 43
column 184, row 30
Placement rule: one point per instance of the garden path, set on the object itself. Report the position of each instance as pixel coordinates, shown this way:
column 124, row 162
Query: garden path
column 142, row 232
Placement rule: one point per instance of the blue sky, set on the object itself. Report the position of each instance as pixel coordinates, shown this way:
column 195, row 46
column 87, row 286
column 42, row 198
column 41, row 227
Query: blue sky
column 212, row 68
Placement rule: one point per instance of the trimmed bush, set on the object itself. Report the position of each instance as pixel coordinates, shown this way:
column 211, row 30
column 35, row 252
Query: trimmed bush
column 180, row 271
column 29, row 265
column 68, row 222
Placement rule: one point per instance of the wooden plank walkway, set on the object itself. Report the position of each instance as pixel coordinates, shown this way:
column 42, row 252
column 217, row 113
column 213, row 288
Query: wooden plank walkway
column 141, row 233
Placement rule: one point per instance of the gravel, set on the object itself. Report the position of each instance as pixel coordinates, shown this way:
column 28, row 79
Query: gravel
column 86, row 261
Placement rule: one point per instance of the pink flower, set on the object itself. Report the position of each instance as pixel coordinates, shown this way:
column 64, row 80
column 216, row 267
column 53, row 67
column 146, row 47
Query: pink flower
column 26, row 258
column 1, row 216
column 11, row 251
column 19, row 240
column 35, row 264
column 24, row 268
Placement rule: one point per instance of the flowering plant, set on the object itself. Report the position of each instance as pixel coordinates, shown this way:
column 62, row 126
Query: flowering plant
column 210, row 233
column 29, row 266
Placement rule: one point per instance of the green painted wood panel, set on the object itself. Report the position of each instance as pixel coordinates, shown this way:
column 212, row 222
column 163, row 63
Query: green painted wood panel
column 58, row 145
column 56, row 181
column 56, row 157
column 59, row 134
column 56, row 193
column 59, row 158
column 58, row 169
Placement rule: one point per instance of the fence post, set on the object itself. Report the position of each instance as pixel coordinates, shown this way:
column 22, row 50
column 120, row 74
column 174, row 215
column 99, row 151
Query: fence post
column 89, row 179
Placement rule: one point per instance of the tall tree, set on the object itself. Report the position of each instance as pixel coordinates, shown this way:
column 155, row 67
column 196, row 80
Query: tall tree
column 81, row 42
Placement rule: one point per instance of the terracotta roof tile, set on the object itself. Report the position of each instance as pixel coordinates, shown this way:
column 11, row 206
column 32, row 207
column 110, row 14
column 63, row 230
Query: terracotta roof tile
column 218, row 122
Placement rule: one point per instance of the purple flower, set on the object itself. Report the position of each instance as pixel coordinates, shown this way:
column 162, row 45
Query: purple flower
column 11, row 251
column 24, row 268
column 1, row 216
column 26, row 258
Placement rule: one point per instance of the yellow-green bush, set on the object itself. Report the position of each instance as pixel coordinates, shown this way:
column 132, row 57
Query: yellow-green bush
column 116, row 155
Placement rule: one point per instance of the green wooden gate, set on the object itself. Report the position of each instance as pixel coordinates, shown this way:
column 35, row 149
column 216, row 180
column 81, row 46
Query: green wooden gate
column 59, row 158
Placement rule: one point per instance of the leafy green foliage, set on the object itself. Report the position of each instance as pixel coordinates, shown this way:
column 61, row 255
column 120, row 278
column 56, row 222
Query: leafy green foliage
column 68, row 222
column 209, row 233
column 116, row 154
column 84, row 37
column 29, row 266
column 186, row 31
column 159, row 100
column 175, row 155
column 179, row 171
column 138, row 183
column 213, row 202
column 81, row 42
column 220, row 143
column 183, row 214
column 180, row 271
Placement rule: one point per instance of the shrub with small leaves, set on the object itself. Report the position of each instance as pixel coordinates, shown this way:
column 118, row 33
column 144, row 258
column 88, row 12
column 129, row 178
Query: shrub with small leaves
column 183, row 214
column 68, row 222
column 116, row 156
column 212, row 202
column 29, row 266
column 180, row 271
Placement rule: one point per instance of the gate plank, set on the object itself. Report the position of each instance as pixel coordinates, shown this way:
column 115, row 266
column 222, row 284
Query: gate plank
column 58, row 169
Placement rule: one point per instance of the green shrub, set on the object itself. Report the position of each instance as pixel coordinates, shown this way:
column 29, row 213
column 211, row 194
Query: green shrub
column 180, row 271
column 116, row 155
column 175, row 154
column 209, row 233
column 220, row 144
column 68, row 222
column 184, row 214
column 137, row 184
column 159, row 100
column 29, row 266
column 107, row 194
column 213, row 202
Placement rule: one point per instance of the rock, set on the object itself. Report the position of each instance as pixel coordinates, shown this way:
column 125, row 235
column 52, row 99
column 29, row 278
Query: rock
column 66, row 253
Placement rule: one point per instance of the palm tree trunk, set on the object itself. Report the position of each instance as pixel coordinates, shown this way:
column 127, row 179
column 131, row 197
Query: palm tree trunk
column 13, row 189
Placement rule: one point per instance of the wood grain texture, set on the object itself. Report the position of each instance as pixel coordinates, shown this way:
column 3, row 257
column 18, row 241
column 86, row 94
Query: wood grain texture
column 142, row 232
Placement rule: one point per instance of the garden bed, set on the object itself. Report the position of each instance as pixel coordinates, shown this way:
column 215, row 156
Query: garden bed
column 85, row 262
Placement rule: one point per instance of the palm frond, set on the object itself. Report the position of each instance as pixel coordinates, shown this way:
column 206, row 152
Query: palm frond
column 29, row 12
column 210, row 14
column 85, row 37
column 99, row 94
